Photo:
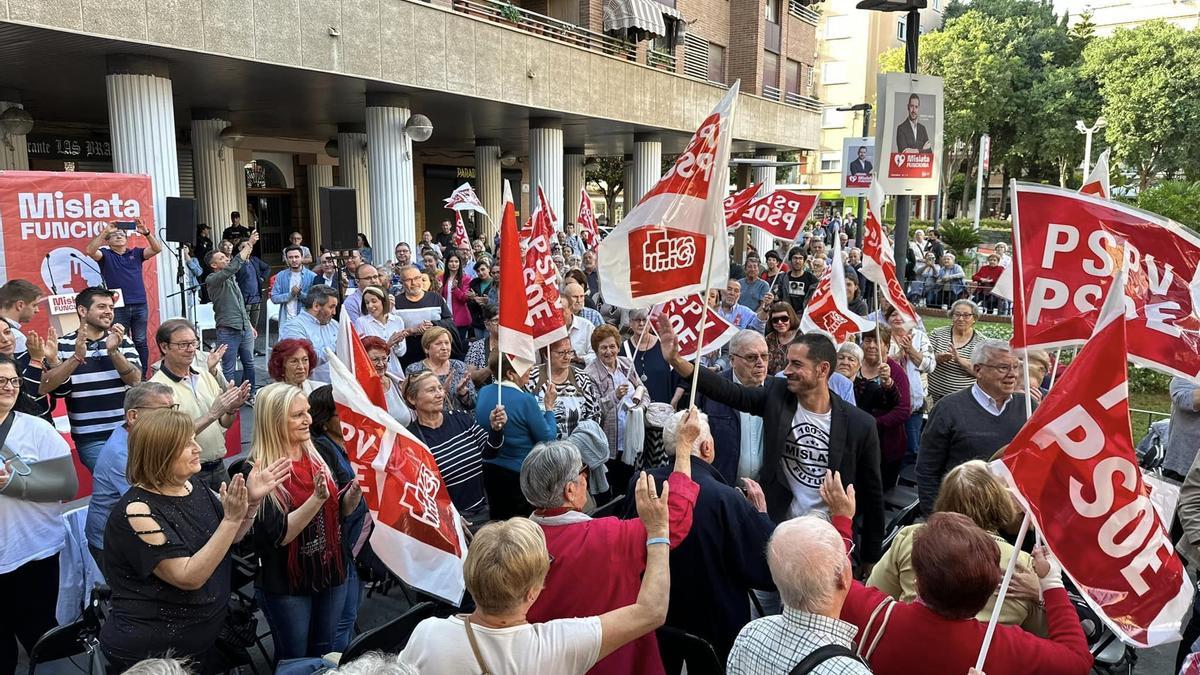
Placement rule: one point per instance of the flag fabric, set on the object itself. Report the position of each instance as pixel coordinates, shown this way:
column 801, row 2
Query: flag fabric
column 518, row 310
column 461, row 240
column 828, row 311
column 736, row 202
column 350, row 350
column 1106, row 533
column 589, row 230
column 540, row 274
column 685, row 315
column 1097, row 181
column 418, row 532
column 673, row 243
column 781, row 214
column 464, row 199
column 878, row 262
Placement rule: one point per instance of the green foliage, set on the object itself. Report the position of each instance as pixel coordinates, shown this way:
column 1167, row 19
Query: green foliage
column 960, row 237
column 510, row 13
column 1147, row 381
column 606, row 175
column 1175, row 199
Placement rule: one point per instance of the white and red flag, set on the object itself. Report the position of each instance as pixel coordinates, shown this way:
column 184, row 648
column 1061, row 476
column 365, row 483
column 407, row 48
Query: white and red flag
column 464, row 199
column 781, row 214
column 589, row 230
column 828, row 310
column 461, row 240
column 417, row 531
column 530, row 314
column 1074, row 470
column 354, row 357
column 673, row 243
column 1063, row 265
column 878, row 262
column 685, row 315
column 1097, row 181
column 736, row 202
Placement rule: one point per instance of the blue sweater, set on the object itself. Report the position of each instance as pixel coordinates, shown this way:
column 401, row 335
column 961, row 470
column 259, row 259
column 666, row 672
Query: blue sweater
column 528, row 424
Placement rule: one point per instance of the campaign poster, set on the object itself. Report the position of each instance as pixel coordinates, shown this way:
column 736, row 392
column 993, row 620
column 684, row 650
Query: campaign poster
column 909, row 133
column 858, row 165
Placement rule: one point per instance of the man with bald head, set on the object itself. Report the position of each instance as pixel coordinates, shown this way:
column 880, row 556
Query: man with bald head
column 739, row 435
column 579, row 329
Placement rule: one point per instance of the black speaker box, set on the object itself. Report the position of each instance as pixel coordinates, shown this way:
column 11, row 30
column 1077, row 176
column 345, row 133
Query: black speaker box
column 339, row 218
column 181, row 219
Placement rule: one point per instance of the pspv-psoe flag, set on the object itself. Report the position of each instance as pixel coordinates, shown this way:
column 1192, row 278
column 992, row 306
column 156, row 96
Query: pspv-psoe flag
column 1064, row 264
column 781, row 213
column 589, row 231
column 1075, row 471
column 684, row 315
column 352, row 355
column 878, row 263
column 1097, row 181
column 828, row 311
column 418, row 532
column 520, row 303
column 539, row 272
column 464, row 199
column 735, row 203
column 461, row 240
column 673, row 241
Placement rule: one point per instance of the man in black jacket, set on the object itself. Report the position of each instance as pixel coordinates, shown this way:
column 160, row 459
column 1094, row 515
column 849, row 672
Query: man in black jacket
column 807, row 432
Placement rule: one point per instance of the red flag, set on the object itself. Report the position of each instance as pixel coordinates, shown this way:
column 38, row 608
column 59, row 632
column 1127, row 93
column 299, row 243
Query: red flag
column 878, row 263
column 589, row 231
column 1105, row 532
column 540, row 274
column 461, row 240
column 464, row 198
column 781, row 214
column 417, row 531
column 519, row 302
column 1097, row 181
column 735, row 203
column 354, row 357
column 828, row 311
column 685, row 315
column 1063, row 245
column 673, row 243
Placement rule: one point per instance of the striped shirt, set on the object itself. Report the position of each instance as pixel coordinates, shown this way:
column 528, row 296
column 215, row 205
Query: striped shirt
column 950, row 377
column 95, row 392
column 457, row 447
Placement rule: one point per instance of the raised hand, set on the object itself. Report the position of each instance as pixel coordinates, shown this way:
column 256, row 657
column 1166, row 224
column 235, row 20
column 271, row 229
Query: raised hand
column 840, row 501
column 52, row 348
column 321, row 485
column 81, row 344
column 689, row 431
column 214, row 357
column 35, row 345
column 141, row 227
column 234, row 499
column 651, row 507
column 265, row 479
column 116, row 335
column 666, row 338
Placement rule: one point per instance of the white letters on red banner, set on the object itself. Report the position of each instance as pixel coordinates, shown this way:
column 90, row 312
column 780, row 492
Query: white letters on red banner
column 544, row 313
column 523, row 304
column 878, row 263
column 685, row 314
column 781, row 214
column 673, row 242
column 463, row 198
column 1075, row 471
column 827, row 311
column 1063, row 244
column 589, row 231
column 461, row 240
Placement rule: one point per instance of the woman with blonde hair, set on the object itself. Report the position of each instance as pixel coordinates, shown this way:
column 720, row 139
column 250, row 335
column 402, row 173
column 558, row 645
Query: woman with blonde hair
column 971, row 490
column 452, row 373
column 301, row 581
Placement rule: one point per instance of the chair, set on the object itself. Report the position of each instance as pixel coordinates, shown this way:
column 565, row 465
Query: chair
column 242, row 572
column 392, row 636
column 81, row 636
column 678, row 647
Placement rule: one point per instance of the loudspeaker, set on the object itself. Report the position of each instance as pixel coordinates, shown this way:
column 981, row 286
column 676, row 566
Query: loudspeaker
column 339, row 218
column 181, row 219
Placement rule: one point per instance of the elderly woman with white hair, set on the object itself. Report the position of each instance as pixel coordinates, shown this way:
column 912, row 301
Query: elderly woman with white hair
column 849, row 360
column 506, row 573
column 608, row 552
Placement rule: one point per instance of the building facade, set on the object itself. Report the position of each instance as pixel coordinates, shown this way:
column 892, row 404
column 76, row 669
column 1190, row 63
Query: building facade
column 1109, row 15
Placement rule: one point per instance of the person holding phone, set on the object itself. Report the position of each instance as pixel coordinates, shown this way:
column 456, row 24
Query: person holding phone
column 121, row 269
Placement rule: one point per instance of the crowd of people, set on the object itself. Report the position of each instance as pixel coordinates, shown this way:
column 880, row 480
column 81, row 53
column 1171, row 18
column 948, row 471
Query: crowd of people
column 602, row 505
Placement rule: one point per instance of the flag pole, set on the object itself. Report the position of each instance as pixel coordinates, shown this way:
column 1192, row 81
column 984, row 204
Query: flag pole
column 1008, row 574
column 1054, row 367
column 629, row 353
column 703, row 321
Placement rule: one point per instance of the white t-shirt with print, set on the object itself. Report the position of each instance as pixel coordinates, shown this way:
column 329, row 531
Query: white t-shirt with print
column 561, row 646
column 31, row 530
column 806, row 459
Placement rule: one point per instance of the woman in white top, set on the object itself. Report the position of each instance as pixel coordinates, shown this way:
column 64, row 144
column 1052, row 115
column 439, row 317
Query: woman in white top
column 36, row 476
column 505, row 571
column 377, row 320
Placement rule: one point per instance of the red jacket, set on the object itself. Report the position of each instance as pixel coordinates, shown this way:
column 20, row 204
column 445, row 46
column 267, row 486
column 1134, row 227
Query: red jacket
column 597, row 567
column 987, row 275
column 907, row 644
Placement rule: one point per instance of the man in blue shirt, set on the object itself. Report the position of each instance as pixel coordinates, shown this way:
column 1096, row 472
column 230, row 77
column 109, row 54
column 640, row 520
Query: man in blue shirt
column 121, row 268
column 316, row 324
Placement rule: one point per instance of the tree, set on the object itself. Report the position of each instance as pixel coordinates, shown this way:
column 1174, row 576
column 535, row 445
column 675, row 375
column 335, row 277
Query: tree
column 1175, row 199
column 607, row 175
column 1149, row 79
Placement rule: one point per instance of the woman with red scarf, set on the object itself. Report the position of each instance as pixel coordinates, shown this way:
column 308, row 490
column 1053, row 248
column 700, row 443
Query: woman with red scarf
column 301, row 582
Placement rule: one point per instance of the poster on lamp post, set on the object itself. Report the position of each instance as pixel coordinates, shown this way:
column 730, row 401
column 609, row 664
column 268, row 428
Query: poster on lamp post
column 909, row 133
column 858, row 163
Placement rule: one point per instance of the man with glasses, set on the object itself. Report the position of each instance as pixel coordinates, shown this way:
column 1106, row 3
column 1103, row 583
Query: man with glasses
column 317, row 325
column 973, row 423
column 579, row 329
column 738, row 435
column 198, row 393
column 291, row 284
column 417, row 303
column 365, row 275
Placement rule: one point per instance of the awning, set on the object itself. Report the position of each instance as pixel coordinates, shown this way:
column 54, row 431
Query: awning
column 638, row 19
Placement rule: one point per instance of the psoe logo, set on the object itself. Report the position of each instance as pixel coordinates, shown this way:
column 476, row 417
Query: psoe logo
column 669, row 258
column 899, row 159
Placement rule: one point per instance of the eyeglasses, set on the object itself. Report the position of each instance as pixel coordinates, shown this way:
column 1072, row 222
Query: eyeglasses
column 780, row 319
column 584, row 471
column 563, row 352
column 752, row 358
column 10, row 382
column 189, row 344
column 173, row 406
column 1005, row 369
column 963, row 315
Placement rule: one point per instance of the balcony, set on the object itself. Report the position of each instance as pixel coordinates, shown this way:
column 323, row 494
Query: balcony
column 798, row 10
column 507, row 14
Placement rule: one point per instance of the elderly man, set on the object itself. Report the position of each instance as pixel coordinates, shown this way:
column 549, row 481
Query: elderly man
column 723, row 557
column 579, row 329
column 809, row 565
column 736, row 313
column 739, row 435
column 973, row 423
column 807, row 431
column 1183, row 436
column 754, row 290
column 598, row 563
column 592, row 273
column 365, row 275
column 316, row 324
column 421, row 310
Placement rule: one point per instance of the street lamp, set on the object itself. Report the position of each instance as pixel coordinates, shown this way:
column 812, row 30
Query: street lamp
column 1087, row 145
column 866, row 111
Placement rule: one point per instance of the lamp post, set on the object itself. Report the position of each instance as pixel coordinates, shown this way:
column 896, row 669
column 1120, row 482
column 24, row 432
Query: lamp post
column 866, row 129
column 1087, row 145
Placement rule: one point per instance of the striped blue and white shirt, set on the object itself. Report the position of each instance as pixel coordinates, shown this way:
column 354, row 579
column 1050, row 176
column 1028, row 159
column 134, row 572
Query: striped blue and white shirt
column 95, row 392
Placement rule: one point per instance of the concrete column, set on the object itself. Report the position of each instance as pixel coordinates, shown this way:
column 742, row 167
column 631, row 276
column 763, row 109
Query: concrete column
column 546, row 163
column 393, row 202
column 489, row 187
column 217, row 171
column 572, row 183
column 765, row 175
column 14, row 154
column 647, row 163
column 319, row 176
column 627, row 187
column 141, row 120
column 352, row 162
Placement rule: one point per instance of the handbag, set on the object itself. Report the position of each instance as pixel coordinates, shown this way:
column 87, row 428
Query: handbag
column 240, row 629
column 466, row 619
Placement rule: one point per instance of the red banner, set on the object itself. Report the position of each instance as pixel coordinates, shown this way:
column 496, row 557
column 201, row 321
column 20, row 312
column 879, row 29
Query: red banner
column 589, row 231
column 827, row 310
column 736, row 202
column 461, row 241
column 517, row 301
column 544, row 313
column 1105, row 532
column 911, row 165
column 781, row 214
column 878, row 262
column 1065, row 244
column 685, row 315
